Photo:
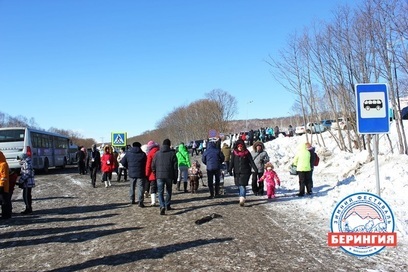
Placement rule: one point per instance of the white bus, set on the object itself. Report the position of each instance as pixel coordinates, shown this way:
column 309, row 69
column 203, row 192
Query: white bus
column 46, row 149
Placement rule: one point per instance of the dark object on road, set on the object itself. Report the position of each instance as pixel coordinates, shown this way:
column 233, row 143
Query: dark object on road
column 207, row 218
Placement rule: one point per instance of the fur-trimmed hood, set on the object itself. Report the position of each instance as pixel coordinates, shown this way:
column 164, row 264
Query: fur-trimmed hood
column 258, row 143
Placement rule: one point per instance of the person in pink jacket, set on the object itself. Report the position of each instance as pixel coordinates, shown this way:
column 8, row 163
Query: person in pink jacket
column 271, row 179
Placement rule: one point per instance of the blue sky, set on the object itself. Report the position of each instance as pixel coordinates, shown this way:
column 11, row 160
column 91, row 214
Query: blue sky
column 96, row 66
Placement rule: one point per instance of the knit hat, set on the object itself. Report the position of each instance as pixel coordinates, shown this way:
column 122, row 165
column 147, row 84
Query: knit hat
column 166, row 142
column 137, row 144
column 151, row 144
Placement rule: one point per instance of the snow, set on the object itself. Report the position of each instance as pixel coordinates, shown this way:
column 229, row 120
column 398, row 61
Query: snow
column 342, row 173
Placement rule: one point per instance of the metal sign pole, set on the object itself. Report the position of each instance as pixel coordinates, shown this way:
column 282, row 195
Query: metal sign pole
column 377, row 172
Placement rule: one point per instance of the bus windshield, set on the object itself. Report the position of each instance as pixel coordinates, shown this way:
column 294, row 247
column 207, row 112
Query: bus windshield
column 7, row 136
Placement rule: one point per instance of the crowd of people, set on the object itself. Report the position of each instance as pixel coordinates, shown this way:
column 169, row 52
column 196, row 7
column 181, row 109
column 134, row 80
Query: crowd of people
column 153, row 172
column 263, row 134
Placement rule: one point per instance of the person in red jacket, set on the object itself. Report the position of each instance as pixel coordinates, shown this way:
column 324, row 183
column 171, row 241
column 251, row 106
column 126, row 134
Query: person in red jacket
column 107, row 165
column 152, row 148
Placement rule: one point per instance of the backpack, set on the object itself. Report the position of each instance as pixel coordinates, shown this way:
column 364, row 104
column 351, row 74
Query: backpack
column 316, row 160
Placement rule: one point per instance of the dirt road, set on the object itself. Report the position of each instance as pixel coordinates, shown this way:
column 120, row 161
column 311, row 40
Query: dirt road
column 79, row 228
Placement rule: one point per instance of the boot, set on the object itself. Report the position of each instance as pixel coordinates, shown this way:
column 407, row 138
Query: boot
column 241, row 201
column 178, row 185
column 153, row 198
column 185, row 187
column 106, row 184
column 109, row 183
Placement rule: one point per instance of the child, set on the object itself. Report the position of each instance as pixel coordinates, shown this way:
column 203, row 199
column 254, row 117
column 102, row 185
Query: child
column 194, row 175
column 271, row 179
column 27, row 182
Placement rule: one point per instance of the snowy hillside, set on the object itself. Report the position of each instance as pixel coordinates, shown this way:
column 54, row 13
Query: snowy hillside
column 342, row 173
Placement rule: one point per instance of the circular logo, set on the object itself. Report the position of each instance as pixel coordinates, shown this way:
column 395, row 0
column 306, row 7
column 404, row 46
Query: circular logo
column 362, row 213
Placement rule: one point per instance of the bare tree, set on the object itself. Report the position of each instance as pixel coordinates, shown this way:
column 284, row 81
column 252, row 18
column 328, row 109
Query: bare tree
column 227, row 105
column 288, row 71
column 382, row 15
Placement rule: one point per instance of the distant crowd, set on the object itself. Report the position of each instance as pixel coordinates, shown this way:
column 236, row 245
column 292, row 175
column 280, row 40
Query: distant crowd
column 155, row 169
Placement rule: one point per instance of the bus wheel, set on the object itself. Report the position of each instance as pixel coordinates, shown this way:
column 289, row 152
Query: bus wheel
column 46, row 165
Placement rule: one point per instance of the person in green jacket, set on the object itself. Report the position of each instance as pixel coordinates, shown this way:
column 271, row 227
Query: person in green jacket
column 183, row 158
column 304, row 169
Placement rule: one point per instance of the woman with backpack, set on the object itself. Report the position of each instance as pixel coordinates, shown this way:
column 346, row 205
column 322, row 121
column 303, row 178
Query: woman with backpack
column 314, row 161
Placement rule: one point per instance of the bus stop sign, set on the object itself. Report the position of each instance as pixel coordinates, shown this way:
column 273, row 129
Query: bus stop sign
column 372, row 108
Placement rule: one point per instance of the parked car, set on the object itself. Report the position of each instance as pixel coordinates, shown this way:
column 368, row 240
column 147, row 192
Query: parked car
column 342, row 123
column 313, row 127
column 299, row 130
column 327, row 123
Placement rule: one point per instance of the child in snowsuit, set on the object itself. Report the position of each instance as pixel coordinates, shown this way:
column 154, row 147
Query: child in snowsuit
column 271, row 179
column 194, row 175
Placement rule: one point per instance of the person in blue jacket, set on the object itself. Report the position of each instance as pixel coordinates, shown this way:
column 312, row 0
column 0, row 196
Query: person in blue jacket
column 213, row 159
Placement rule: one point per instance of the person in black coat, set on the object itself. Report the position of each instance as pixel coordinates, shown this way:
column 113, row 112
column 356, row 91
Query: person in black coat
column 80, row 156
column 213, row 159
column 165, row 167
column 240, row 167
column 94, row 163
column 135, row 162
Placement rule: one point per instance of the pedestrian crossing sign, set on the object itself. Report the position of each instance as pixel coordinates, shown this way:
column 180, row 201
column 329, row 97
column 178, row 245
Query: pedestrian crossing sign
column 118, row 138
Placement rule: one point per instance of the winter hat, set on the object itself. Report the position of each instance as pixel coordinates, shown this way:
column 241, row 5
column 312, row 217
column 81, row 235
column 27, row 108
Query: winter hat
column 151, row 144
column 240, row 142
column 137, row 144
column 166, row 142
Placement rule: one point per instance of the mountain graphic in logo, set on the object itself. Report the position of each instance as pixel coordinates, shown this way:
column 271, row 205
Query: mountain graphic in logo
column 363, row 219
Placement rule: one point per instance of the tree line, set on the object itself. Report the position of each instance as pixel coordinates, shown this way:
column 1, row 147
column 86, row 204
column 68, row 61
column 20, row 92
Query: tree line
column 322, row 64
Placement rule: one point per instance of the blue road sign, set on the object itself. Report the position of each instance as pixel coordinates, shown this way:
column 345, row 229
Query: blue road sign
column 119, row 138
column 372, row 108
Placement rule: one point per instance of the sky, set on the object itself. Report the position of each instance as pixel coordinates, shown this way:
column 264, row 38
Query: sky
column 97, row 67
